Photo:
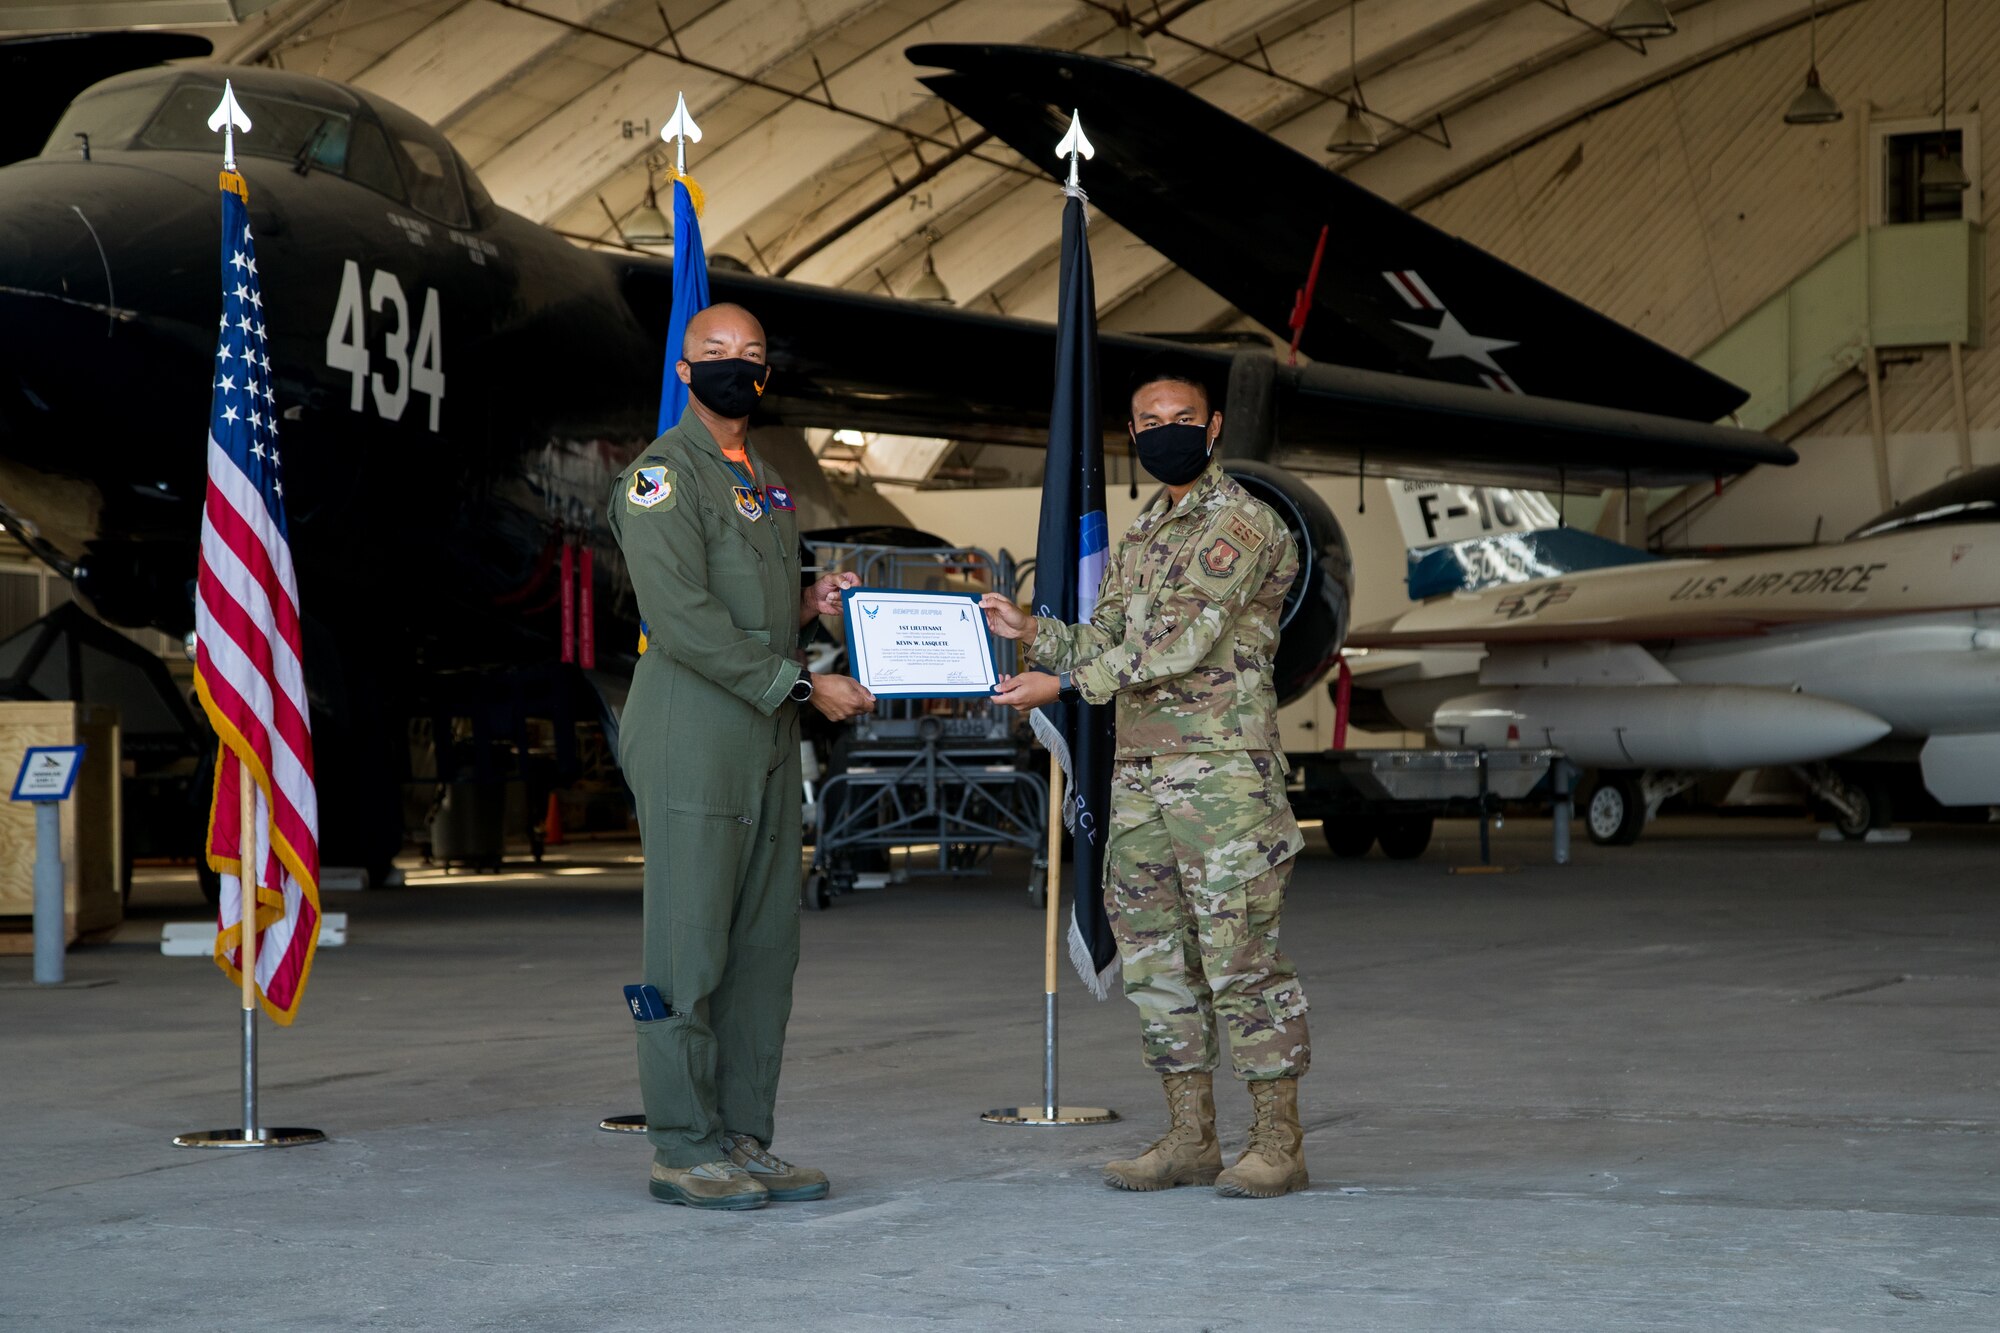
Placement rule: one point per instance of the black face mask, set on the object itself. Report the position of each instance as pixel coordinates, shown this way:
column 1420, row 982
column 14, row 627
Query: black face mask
column 730, row 389
column 1174, row 454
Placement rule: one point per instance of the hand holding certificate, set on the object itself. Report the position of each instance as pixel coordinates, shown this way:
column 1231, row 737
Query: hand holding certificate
column 918, row 645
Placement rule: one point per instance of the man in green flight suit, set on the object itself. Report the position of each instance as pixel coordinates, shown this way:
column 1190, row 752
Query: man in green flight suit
column 1202, row 837
column 709, row 742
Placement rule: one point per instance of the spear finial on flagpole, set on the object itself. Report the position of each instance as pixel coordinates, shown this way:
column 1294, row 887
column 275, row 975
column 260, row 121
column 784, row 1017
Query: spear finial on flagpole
column 229, row 117
column 1073, row 144
column 680, row 130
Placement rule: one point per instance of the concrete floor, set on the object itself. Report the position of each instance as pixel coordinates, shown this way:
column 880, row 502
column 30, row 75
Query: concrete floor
column 1730, row 1078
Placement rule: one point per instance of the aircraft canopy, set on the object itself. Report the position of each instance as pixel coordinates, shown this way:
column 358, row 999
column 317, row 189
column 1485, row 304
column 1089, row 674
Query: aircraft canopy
column 1973, row 497
column 306, row 122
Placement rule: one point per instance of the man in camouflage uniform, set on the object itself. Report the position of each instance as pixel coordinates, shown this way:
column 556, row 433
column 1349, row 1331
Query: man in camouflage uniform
column 1202, row 837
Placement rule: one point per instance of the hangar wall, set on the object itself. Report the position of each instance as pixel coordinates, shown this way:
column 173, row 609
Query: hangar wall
column 1683, row 208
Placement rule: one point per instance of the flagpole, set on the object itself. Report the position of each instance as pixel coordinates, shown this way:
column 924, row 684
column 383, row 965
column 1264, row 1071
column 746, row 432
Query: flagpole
column 1049, row 970
column 250, row 1134
column 1051, row 1111
column 246, row 879
column 689, row 261
column 230, row 117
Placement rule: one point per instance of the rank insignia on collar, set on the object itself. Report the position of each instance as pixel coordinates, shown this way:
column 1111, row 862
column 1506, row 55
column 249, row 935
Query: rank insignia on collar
column 779, row 497
column 1219, row 558
column 650, row 486
column 747, row 503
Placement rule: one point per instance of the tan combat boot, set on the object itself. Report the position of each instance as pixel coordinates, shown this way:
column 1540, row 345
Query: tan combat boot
column 720, row 1184
column 1189, row 1154
column 1274, row 1161
column 784, row 1182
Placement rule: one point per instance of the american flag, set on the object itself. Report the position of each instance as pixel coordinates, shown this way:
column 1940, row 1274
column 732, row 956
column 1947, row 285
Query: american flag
column 247, row 658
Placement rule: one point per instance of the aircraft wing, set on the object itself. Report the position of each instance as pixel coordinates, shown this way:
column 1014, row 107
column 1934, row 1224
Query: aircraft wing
column 864, row 362
column 1242, row 212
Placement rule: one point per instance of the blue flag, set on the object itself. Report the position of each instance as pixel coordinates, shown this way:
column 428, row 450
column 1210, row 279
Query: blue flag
column 690, row 297
column 1070, row 555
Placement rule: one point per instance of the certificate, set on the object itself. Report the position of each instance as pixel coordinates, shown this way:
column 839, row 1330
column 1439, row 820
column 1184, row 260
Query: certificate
column 918, row 645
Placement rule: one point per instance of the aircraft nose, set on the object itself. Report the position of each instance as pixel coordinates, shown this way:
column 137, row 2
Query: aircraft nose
column 102, row 334
column 90, row 252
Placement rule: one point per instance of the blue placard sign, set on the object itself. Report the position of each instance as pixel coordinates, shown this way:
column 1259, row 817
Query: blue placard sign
column 48, row 772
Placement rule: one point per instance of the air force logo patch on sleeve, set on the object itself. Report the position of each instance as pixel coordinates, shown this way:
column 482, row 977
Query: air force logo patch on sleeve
column 1219, row 558
column 779, row 497
column 651, row 487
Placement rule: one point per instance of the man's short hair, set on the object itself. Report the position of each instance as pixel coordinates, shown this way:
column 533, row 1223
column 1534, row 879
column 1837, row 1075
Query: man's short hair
column 1174, row 372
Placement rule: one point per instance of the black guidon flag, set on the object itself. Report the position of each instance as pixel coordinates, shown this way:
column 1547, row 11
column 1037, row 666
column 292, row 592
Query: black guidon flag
column 1069, row 564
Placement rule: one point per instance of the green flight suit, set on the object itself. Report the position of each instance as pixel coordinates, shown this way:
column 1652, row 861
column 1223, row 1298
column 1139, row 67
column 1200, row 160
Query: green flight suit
column 709, row 742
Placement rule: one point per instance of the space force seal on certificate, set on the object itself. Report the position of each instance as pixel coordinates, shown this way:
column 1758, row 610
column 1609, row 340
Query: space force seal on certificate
column 918, row 645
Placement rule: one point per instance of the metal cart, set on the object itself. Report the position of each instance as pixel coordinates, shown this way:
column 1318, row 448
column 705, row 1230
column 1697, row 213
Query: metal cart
column 951, row 776
column 1392, row 797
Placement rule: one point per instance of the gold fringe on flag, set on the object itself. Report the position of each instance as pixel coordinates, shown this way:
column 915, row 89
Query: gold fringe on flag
column 695, row 196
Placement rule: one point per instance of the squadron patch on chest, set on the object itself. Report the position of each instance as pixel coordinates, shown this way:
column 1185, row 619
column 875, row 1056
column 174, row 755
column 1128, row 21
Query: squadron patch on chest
column 747, row 503
column 1244, row 532
column 1220, row 558
column 779, row 497
column 651, row 487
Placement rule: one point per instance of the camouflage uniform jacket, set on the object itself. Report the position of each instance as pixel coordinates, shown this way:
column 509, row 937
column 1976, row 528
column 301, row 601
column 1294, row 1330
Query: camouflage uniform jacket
column 1185, row 625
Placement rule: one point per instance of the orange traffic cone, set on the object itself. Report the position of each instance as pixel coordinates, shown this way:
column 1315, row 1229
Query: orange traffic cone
column 552, row 830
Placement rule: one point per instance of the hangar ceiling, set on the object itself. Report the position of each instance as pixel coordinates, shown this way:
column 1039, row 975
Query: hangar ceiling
column 824, row 159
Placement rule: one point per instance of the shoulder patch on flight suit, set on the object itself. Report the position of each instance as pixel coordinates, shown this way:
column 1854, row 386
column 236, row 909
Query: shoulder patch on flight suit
column 652, row 487
column 1244, row 532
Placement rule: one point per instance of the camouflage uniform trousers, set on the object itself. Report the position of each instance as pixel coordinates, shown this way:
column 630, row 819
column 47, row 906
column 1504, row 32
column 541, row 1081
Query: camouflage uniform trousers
column 1201, row 851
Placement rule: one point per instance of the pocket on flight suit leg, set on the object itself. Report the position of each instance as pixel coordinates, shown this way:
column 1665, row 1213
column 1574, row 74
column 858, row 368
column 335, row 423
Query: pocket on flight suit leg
column 707, row 847
column 702, row 851
column 677, row 1088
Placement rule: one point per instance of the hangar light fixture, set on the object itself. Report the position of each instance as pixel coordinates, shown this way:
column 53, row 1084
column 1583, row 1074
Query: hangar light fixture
column 1354, row 135
column 1813, row 105
column 1642, row 19
column 929, row 286
column 1125, row 44
column 1944, row 172
column 648, row 225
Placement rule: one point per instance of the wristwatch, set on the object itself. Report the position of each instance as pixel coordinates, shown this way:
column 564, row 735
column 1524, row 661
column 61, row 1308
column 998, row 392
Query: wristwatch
column 1066, row 687
column 802, row 688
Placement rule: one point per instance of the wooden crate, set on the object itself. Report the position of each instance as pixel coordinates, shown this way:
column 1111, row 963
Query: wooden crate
column 92, row 850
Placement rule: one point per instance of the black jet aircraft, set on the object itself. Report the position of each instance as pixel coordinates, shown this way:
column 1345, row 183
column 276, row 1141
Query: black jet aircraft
column 458, row 386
